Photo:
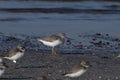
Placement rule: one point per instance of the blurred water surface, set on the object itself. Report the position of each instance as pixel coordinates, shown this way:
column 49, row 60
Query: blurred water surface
column 72, row 17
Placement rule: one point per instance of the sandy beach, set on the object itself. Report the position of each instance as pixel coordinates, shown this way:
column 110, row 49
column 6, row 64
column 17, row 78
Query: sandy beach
column 37, row 63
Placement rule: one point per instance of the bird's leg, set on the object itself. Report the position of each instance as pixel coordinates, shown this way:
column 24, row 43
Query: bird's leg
column 53, row 52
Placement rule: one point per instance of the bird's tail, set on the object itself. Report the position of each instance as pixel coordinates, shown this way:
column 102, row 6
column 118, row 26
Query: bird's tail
column 6, row 57
column 64, row 74
column 1, row 58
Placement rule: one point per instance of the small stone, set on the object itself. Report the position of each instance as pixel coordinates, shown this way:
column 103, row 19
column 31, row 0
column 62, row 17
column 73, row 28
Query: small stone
column 116, row 78
column 100, row 77
column 108, row 79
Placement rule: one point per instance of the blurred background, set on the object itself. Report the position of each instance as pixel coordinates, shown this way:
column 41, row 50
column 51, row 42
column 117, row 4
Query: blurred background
column 90, row 24
column 54, row 16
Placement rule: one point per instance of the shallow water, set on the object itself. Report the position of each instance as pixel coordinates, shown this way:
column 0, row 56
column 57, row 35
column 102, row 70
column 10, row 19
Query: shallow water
column 42, row 17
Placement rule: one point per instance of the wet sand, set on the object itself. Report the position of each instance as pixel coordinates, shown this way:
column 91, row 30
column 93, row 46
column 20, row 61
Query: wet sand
column 38, row 63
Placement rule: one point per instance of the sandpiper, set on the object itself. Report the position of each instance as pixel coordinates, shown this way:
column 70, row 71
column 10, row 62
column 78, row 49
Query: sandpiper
column 78, row 70
column 15, row 53
column 2, row 68
column 52, row 41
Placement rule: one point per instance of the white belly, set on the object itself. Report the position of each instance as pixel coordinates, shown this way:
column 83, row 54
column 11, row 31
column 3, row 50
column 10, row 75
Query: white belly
column 51, row 44
column 17, row 56
column 1, row 72
column 1, row 60
column 76, row 74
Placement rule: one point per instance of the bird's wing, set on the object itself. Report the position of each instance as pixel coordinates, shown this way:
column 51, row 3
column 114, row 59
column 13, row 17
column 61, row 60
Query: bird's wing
column 12, row 52
column 76, row 68
column 50, row 38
